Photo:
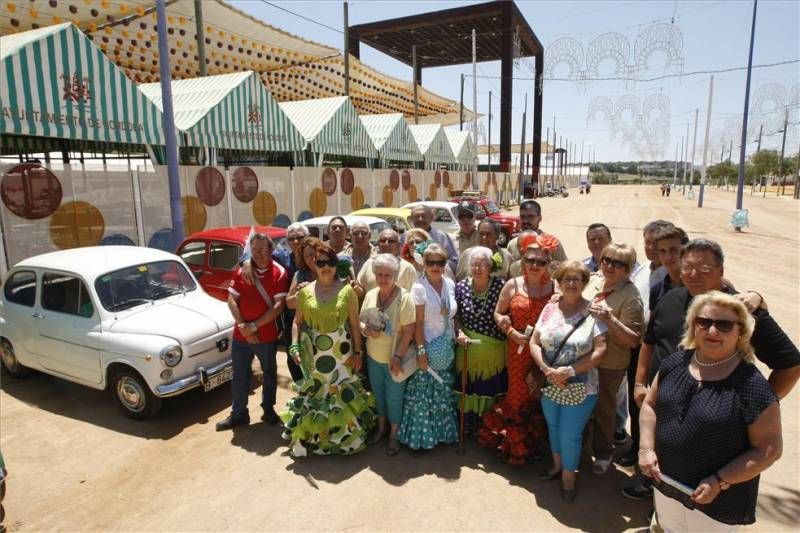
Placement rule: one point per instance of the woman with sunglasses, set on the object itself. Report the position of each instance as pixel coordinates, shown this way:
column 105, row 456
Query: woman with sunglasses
column 332, row 413
column 412, row 239
column 710, row 422
column 515, row 426
column 617, row 304
column 429, row 408
column 305, row 272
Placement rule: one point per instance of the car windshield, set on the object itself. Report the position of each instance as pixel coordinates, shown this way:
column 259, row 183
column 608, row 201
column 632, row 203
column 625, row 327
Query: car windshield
column 141, row 284
column 491, row 207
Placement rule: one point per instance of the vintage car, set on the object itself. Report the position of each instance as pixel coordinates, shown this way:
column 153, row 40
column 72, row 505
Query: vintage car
column 445, row 214
column 399, row 218
column 126, row 319
column 509, row 224
column 213, row 255
column 318, row 227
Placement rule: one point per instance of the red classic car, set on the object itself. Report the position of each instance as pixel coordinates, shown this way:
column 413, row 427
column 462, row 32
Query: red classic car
column 509, row 224
column 214, row 254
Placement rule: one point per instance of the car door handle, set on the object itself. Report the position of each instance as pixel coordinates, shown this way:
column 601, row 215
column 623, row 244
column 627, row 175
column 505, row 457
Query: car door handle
column 37, row 315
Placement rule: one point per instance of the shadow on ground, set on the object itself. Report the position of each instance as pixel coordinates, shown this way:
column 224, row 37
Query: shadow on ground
column 782, row 506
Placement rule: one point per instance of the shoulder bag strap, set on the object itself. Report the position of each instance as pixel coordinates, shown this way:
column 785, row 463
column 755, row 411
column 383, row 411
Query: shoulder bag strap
column 565, row 339
column 263, row 292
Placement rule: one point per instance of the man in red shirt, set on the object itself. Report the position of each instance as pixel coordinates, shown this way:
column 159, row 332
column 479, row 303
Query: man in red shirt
column 255, row 307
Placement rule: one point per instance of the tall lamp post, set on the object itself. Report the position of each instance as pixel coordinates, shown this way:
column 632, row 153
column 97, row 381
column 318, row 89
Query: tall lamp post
column 743, row 147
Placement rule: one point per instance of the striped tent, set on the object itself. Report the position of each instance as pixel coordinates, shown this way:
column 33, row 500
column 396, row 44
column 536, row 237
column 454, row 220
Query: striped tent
column 331, row 126
column 57, row 83
column 462, row 146
column 391, row 136
column 433, row 144
column 229, row 111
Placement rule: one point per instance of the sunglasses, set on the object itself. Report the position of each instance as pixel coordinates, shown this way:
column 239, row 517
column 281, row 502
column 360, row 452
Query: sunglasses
column 322, row 263
column 614, row 263
column 536, row 261
column 359, row 233
column 295, row 239
column 571, row 281
column 723, row 326
column 390, row 241
column 687, row 268
column 435, row 262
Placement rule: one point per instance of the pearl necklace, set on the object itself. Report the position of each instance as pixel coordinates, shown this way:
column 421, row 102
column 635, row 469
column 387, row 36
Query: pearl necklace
column 715, row 363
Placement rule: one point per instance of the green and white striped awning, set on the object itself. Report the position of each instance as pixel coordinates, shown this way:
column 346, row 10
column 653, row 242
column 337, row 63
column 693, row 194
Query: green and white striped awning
column 57, row 83
column 433, row 143
column 232, row 111
column 391, row 136
column 462, row 146
column 331, row 126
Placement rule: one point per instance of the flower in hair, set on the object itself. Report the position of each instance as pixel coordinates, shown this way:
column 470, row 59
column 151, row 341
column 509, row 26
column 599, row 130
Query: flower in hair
column 497, row 262
column 547, row 242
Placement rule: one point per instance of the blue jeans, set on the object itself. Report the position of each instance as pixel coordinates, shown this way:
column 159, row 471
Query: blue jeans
column 242, row 354
column 388, row 393
column 565, row 425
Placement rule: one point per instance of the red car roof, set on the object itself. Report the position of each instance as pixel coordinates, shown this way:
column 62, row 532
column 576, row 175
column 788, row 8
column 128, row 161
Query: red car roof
column 235, row 233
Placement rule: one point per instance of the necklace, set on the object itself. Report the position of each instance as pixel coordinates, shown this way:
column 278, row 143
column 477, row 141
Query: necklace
column 479, row 298
column 715, row 363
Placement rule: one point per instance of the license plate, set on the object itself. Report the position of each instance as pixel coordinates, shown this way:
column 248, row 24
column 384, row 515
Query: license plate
column 218, row 379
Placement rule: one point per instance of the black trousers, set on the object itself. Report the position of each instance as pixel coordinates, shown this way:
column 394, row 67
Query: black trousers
column 633, row 409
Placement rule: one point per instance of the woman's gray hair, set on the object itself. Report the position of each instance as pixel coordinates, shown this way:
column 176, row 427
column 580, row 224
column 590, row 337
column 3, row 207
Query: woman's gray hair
column 386, row 261
column 480, row 252
column 434, row 250
column 297, row 226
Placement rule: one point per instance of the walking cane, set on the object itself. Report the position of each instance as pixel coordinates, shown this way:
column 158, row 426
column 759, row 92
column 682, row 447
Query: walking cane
column 464, row 395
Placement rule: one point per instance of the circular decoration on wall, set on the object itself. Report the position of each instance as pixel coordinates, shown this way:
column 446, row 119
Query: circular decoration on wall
column 468, row 180
column 437, row 178
column 388, row 196
column 357, row 199
column 446, row 178
column 282, row 221
column 264, row 208
column 194, row 215
column 77, row 224
column 432, row 191
column 210, row 186
column 317, row 202
column 31, row 191
column 328, row 182
column 305, row 215
column 412, row 193
column 347, row 181
column 162, row 240
column 394, row 180
column 245, row 184
column 116, row 239
column 406, row 178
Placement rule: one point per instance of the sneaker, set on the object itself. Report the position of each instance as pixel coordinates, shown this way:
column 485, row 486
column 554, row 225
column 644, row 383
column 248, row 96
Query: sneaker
column 600, row 466
column 620, row 437
column 231, row 422
column 638, row 492
column 629, row 459
column 271, row 417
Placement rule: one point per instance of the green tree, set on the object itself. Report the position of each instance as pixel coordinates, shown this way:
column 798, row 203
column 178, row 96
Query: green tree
column 765, row 163
column 723, row 170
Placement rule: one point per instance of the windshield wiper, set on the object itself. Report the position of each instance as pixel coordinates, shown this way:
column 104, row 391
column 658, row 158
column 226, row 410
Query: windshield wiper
column 127, row 304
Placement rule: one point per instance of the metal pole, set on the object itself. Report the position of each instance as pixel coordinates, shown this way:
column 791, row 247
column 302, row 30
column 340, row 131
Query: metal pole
column 538, row 181
column 685, row 160
column 489, row 143
column 694, row 148
column 782, row 190
column 520, row 192
column 797, row 176
column 553, row 179
column 176, row 210
column 676, row 183
column 475, row 103
column 705, row 143
column 416, row 81
column 675, row 171
column 201, row 36
column 580, row 165
column 347, row 53
column 758, row 149
column 461, row 107
column 740, row 186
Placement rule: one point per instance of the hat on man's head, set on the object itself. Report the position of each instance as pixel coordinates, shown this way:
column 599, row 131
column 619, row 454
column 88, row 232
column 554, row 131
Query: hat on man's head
column 465, row 210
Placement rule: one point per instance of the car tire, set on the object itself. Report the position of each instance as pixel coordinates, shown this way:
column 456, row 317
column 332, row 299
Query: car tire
column 502, row 239
column 133, row 395
column 11, row 365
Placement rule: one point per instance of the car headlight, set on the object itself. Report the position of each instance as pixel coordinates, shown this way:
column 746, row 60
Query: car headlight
column 171, row 355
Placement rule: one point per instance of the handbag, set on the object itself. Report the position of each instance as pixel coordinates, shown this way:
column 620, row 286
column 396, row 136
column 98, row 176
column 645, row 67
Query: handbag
column 572, row 393
column 408, row 365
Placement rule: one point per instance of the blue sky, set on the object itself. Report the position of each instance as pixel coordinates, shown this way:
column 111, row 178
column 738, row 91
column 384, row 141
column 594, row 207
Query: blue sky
column 714, row 35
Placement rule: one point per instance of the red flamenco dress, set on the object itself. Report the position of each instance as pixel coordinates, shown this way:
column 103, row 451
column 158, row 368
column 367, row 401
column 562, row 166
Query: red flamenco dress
column 516, row 427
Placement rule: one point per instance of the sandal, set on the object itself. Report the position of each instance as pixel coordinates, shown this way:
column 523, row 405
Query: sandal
column 392, row 448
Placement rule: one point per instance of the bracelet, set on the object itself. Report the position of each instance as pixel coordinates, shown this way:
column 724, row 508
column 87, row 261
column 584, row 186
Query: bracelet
column 420, row 349
column 645, row 451
column 639, row 385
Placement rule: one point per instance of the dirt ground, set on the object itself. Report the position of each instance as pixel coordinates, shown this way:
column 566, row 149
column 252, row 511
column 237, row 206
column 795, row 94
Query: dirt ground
column 77, row 464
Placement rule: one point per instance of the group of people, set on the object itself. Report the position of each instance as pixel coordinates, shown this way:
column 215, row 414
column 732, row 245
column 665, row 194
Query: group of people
column 666, row 189
column 538, row 352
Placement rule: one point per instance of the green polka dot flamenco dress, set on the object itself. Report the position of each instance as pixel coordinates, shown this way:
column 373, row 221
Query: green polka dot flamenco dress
column 332, row 412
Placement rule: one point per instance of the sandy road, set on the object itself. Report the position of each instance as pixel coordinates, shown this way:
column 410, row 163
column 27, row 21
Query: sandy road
column 77, row 464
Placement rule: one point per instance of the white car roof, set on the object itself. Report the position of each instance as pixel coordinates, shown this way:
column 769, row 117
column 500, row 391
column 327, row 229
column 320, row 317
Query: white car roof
column 350, row 219
column 433, row 203
column 93, row 261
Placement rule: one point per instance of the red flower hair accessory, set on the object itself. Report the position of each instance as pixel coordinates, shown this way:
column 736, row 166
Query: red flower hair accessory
column 547, row 242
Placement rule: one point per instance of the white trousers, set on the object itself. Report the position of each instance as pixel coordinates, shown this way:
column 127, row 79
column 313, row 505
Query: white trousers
column 673, row 517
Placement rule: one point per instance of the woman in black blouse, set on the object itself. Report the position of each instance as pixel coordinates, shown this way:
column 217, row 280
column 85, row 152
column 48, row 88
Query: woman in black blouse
column 710, row 422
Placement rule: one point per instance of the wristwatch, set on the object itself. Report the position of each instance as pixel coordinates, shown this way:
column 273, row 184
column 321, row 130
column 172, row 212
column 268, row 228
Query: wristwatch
column 723, row 485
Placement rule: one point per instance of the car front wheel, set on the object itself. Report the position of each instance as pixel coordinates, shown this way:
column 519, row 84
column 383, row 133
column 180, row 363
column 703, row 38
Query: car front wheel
column 11, row 365
column 133, row 395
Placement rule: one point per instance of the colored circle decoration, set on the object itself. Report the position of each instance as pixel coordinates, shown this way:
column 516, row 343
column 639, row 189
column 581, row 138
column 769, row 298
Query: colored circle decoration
column 432, row 191
column 412, row 193
column 116, row 239
column 328, row 182
column 194, row 215
column 31, row 191
column 162, row 240
column 264, row 208
column 317, row 202
column 210, row 186
column 282, row 221
column 325, row 364
column 245, row 184
column 468, row 180
column 388, row 196
column 437, row 178
column 394, row 180
column 357, row 199
column 76, row 224
column 446, row 179
column 406, row 179
column 305, row 215
column 324, row 343
column 347, row 181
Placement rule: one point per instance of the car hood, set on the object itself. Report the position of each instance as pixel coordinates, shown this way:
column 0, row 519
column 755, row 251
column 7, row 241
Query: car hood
column 186, row 320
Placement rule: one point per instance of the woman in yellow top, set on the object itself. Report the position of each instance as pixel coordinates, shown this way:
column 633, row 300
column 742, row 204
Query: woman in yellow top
column 332, row 413
column 387, row 342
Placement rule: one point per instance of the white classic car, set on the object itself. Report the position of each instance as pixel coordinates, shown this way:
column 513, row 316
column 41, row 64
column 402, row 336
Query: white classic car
column 128, row 319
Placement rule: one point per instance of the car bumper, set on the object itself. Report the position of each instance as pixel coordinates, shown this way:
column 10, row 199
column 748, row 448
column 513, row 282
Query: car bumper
column 195, row 380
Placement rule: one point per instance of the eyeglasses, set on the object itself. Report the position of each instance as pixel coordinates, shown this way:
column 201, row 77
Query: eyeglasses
column 336, row 228
column 571, row 281
column 687, row 268
column 322, row 263
column 389, row 241
column 295, row 239
column 480, row 265
column 359, row 233
column 614, row 263
column 723, row 326
column 536, row 261
column 436, row 262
